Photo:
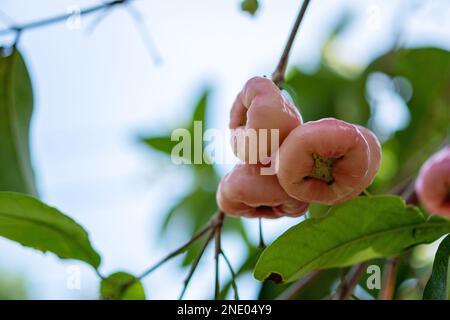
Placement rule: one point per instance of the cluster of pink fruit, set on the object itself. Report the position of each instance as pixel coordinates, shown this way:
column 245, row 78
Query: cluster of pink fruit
column 327, row 161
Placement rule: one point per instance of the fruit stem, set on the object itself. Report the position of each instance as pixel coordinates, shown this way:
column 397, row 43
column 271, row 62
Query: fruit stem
column 278, row 74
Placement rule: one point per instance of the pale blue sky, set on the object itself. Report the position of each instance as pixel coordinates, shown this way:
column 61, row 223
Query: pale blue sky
column 96, row 93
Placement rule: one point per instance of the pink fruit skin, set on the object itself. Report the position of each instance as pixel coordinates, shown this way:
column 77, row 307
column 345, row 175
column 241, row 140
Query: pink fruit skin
column 433, row 183
column 330, row 138
column 260, row 105
column 374, row 162
column 245, row 192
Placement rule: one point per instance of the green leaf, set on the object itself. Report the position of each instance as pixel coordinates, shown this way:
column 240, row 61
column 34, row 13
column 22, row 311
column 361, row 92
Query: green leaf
column 436, row 288
column 356, row 231
column 189, row 206
column 317, row 288
column 16, row 107
column 121, row 286
column 201, row 107
column 165, row 144
column 161, row 143
column 32, row 223
column 250, row 6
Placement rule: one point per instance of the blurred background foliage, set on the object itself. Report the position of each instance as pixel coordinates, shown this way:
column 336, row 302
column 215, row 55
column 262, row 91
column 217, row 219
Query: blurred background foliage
column 12, row 286
column 411, row 83
column 416, row 79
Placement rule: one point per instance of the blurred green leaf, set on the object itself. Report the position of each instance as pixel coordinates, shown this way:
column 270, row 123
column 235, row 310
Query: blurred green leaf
column 201, row 108
column 428, row 71
column 33, row 224
column 188, row 206
column 201, row 206
column 165, row 144
column 12, row 286
column 325, row 93
column 16, row 107
column 436, row 288
column 121, row 286
column 342, row 24
column 361, row 229
column 250, row 6
column 162, row 143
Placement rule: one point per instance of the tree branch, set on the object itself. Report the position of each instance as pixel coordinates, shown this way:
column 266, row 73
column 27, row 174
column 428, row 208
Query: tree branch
column 217, row 252
column 348, row 285
column 389, row 276
column 233, row 276
column 278, row 74
column 195, row 264
column 61, row 17
column 299, row 286
column 178, row 251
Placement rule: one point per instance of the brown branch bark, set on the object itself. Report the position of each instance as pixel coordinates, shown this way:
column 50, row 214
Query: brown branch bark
column 278, row 74
column 61, row 17
column 348, row 285
column 217, row 252
column 389, row 277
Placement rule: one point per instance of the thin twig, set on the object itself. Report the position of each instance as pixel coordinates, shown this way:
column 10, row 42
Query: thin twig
column 195, row 264
column 146, row 37
column 299, row 286
column 278, row 74
column 409, row 194
column 97, row 20
column 213, row 225
column 216, row 265
column 400, row 187
column 61, row 17
column 178, row 251
column 217, row 251
column 348, row 285
column 99, row 274
column 389, row 277
column 233, row 276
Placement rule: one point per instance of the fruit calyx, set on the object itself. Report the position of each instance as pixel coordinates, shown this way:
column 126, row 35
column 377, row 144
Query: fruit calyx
column 322, row 169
